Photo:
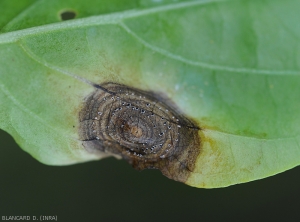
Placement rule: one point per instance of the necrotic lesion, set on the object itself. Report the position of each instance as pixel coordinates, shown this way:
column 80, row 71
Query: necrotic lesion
column 141, row 128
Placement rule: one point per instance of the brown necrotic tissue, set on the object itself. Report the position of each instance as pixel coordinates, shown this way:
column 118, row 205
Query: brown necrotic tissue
column 141, row 127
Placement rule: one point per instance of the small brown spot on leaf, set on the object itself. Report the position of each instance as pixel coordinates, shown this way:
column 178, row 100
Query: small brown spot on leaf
column 67, row 15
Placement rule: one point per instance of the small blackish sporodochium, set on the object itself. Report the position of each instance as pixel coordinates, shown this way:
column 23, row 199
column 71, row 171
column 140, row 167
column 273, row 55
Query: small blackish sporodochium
column 141, row 127
column 67, row 15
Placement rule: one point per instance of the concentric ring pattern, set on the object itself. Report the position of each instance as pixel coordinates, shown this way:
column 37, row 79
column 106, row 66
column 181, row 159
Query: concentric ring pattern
column 138, row 126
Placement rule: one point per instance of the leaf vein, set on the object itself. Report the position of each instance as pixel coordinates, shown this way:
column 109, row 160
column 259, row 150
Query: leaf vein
column 203, row 64
column 59, row 70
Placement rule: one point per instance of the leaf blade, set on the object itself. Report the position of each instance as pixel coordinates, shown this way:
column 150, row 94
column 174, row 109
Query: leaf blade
column 224, row 72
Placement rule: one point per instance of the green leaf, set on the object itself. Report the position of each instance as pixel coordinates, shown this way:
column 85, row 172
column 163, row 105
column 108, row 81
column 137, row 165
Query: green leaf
column 232, row 66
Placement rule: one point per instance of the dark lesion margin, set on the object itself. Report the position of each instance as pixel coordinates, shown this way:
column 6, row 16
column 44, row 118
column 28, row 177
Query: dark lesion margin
column 179, row 166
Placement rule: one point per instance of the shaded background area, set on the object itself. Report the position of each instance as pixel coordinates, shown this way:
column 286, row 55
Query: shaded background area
column 110, row 190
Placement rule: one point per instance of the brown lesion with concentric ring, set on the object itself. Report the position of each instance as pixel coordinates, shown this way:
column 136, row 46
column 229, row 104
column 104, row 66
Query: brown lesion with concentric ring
column 141, row 127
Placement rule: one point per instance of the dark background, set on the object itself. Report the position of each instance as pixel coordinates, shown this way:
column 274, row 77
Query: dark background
column 110, row 190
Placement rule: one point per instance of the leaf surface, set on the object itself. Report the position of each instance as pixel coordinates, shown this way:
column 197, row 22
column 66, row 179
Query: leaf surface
column 232, row 66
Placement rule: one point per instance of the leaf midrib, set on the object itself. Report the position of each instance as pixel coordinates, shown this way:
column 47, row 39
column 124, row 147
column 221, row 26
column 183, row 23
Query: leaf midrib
column 113, row 18
column 118, row 19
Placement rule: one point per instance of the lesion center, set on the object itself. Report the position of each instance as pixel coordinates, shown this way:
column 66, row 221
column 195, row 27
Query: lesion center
column 132, row 130
column 136, row 131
